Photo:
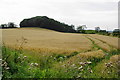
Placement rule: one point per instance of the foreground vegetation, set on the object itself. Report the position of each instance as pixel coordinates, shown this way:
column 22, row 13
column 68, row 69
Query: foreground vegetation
column 18, row 65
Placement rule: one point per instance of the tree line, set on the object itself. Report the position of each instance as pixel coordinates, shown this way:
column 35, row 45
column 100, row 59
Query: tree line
column 48, row 23
column 9, row 25
column 115, row 32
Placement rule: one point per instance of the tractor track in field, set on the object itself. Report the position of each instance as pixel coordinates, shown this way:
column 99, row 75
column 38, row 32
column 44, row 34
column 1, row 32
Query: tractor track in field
column 108, row 54
column 95, row 47
column 103, row 42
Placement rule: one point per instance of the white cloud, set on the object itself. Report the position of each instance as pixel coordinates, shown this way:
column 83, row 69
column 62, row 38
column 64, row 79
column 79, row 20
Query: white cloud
column 93, row 13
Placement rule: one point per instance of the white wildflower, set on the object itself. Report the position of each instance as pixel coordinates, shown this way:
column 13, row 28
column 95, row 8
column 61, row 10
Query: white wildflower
column 25, row 57
column 108, row 64
column 82, row 63
column 18, row 57
column 36, row 64
column 108, row 72
column 91, row 71
column 78, row 76
column 89, row 62
column 80, row 67
column 54, row 58
column 5, row 64
column 7, row 68
column 73, row 65
column 61, row 57
column 31, row 64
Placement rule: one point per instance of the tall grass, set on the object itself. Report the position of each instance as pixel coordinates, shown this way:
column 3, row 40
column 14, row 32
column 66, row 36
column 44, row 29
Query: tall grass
column 17, row 65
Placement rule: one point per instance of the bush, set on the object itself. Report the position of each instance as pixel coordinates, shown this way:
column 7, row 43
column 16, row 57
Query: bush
column 90, row 31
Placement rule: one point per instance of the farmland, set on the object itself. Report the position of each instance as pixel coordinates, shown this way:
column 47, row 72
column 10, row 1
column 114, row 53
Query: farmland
column 46, row 40
column 42, row 53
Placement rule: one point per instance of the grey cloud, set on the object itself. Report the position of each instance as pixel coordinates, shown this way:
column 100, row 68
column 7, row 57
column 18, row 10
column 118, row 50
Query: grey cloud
column 77, row 12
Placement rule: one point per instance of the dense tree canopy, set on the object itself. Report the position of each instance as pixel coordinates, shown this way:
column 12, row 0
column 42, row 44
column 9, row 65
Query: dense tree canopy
column 48, row 23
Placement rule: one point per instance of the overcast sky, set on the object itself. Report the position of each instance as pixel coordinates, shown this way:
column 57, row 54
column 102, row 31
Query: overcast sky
column 93, row 13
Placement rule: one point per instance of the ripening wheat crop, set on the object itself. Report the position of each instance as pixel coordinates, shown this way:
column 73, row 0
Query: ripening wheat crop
column 43, row 40
column 113, row 41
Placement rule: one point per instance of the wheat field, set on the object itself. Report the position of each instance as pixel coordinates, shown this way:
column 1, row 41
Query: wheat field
column 46, row 40
column 62, row 55
column 51, row 41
